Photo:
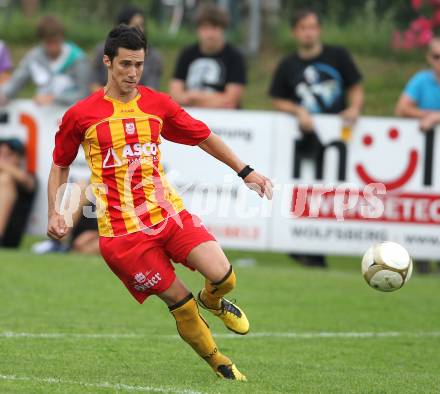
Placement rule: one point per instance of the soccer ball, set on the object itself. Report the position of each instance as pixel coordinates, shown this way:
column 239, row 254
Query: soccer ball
column 387, row 266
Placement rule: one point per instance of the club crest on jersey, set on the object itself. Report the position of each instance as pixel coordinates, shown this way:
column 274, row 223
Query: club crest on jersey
column 129, row 128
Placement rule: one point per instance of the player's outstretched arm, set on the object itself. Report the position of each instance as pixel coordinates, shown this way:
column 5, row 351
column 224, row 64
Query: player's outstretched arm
column 215, row 146
column 56, row 227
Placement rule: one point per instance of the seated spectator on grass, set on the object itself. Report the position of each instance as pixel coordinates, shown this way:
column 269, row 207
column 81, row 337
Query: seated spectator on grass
column 131, row 16
column 421, row 100
column 316, row 78
column 84, row 238
column 58, row 68
column 17, row 190
column 5, row 63
column 210, row 73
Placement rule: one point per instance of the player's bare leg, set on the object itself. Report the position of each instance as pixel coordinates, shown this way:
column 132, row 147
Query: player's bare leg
column 209, row 259
column 8, row 196
column 194, row 330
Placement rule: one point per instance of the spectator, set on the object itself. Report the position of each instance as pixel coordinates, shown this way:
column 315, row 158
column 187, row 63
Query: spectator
column 210, row 73
column 317, row 78
column 131, row 16
column 421, row 100
column 421, row 97
column 58, row 68
column 17, row 190
column 5, row 63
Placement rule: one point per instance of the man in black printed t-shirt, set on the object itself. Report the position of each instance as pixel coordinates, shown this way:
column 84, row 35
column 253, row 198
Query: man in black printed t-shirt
column 317, row 78
column 210, row 73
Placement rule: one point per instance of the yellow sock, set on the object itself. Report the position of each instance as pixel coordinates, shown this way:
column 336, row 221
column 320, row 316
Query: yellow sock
column 212, row 293
column 195, row 331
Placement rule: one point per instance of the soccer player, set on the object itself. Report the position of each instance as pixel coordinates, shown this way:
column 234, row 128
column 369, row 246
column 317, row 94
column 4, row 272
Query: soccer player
column 142, row 221
column 131, row 16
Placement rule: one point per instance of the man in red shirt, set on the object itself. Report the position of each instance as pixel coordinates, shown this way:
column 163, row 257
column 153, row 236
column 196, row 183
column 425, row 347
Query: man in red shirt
column 142, row 221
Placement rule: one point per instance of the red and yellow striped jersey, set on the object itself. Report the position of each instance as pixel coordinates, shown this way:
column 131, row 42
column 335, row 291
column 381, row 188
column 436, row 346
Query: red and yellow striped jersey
column 121, row 143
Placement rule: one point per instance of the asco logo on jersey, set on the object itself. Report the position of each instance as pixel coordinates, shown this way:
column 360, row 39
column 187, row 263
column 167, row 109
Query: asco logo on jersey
column 129, row 153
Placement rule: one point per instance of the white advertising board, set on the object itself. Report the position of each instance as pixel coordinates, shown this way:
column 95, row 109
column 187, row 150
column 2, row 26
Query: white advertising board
column 312, row 195
column 238, row 217
column 327, row 218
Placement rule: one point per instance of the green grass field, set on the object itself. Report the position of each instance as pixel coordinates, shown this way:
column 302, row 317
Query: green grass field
column 68, row 326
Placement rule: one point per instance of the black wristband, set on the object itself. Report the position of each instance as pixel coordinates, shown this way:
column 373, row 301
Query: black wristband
column 245, row 171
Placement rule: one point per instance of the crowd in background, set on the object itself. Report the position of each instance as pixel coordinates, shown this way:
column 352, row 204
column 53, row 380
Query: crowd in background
column 316, row 78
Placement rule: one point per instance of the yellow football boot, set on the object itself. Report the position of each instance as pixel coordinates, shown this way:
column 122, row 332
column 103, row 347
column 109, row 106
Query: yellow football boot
column 231, row 315
column 230, row 372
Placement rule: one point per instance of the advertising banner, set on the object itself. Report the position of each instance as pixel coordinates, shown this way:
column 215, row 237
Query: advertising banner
column 335, row 196
column 383, row 184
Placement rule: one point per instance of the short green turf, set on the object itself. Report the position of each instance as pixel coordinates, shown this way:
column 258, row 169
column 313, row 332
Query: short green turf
column 71, row 295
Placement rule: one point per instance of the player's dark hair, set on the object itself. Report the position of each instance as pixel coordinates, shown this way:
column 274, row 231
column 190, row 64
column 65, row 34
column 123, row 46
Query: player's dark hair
column 127, row 13
column 212, row 14
column 302, row 13
column 126, row 37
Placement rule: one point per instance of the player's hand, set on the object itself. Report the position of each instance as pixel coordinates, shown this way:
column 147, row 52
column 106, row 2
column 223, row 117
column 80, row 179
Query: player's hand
column 260, row 184
column 43, row 99
column 56, row 228
column 305, row 121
